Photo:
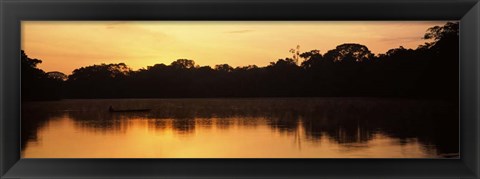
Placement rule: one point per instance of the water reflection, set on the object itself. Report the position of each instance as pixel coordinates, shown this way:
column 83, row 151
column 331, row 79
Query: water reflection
column 294, row 127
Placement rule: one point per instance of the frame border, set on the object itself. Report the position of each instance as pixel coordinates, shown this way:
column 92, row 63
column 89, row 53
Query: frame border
column 14, row 11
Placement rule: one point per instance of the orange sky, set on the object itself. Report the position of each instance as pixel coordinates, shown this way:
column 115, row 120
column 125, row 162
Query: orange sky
column 67, row 45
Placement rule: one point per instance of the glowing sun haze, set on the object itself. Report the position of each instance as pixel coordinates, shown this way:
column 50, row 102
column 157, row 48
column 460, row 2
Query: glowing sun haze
column 67, row 45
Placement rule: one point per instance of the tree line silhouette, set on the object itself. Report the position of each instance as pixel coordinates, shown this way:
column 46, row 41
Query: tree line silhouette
column 429, row 71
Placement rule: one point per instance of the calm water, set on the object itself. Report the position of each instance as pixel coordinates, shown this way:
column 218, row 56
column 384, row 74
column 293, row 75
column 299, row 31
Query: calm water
column 241, row 128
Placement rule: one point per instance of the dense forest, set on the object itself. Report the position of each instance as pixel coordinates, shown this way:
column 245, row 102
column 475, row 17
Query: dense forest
column 429, row 71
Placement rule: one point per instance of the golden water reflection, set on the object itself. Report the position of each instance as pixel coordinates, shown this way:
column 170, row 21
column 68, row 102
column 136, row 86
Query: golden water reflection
column 99, row 134
column 204, row 138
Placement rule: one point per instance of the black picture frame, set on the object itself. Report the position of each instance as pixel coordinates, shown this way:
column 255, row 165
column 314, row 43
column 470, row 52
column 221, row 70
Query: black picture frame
column 12, row 12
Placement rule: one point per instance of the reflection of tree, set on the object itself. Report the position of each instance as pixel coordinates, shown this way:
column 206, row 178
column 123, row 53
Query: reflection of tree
column 285, row 122
column 343, row 120
column 31, row 122
column 101, row 121
column 184, row 126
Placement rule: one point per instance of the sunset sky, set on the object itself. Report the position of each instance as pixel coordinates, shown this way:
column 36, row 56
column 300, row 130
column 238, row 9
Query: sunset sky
column 66, row 45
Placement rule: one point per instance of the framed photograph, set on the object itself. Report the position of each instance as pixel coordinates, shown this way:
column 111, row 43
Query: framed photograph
column 243, row 89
